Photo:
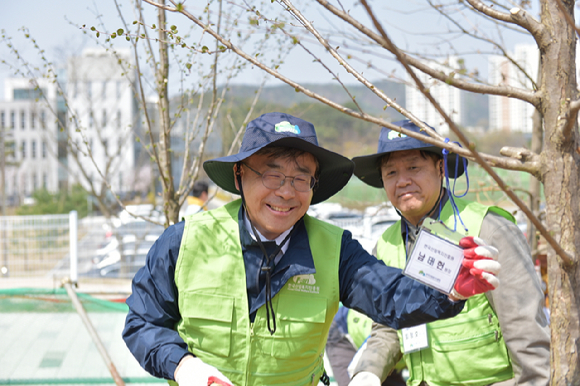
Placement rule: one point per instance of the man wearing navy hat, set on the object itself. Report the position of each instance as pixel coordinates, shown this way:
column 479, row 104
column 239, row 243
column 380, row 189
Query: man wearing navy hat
column 245, row 294
column 500, row 337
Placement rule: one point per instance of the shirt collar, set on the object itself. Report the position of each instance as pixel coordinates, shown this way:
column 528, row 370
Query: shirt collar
column 278, row 240
column 435, row 215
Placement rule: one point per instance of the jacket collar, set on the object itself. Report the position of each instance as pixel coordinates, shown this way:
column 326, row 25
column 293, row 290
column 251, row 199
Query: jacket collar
column 297, row 260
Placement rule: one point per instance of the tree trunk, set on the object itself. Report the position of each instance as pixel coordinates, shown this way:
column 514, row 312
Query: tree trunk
column 561, row 175
column 535, row 184
column 170, row 204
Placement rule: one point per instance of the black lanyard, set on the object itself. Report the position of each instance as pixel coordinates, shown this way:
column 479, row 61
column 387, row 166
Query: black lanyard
column 268, row 268
column 269, row 259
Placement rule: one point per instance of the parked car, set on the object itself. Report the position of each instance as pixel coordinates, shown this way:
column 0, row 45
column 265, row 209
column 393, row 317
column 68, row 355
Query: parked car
column 146, row 211
column 374, row 228
column 333, row 213
column 125, row 247
column 125, row 250
column 123, row 271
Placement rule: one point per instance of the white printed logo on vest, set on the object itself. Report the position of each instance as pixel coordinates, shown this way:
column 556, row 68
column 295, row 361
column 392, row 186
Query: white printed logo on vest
column 303, row 283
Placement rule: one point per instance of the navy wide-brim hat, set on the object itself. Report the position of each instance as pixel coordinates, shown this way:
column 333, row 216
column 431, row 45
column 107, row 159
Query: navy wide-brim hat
column 367, row 168
column 279, row 129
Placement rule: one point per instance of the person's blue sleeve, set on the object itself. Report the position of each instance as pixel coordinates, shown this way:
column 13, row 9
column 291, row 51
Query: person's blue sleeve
column 153, row 310
column 341, row 319
column 384, row 294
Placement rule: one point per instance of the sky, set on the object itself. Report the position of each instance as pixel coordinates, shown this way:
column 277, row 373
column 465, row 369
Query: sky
column 412, row 26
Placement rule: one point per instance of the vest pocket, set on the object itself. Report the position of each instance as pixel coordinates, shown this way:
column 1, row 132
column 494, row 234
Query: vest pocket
column 300, row 327
column 482, row 358
column 207, row 322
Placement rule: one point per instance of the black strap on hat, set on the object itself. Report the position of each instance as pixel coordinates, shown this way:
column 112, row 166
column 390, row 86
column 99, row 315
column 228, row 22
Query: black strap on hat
column 268, row 267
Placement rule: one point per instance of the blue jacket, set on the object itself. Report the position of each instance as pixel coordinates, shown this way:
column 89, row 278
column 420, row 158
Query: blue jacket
column 366, row 285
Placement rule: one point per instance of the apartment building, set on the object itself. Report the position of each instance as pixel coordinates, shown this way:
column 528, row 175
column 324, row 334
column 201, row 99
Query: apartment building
column 28, row 120
column 448, row 97
column 103, row 115
column 509, row 113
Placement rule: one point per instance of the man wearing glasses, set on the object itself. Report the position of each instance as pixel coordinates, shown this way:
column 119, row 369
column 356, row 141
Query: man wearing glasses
column 245, row 294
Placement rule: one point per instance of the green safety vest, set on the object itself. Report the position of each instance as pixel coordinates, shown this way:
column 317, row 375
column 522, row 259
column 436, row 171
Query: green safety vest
column 211, row 281
column 469, row 348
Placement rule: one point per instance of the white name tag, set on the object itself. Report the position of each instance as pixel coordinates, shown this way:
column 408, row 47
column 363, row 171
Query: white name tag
column 435, row 261
column 414, row 338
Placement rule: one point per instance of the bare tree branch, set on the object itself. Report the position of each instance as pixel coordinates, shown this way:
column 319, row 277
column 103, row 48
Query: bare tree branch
column 325, row 43
column 571, row 117
column 561, row 252
column 521, row 153
column 505, row 163
column 525, row 95
column 189, row 137
column 516, row 16
column 487, row 40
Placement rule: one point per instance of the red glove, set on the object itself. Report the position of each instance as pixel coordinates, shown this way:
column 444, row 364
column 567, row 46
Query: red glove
column 216, row 381
column 479, row 268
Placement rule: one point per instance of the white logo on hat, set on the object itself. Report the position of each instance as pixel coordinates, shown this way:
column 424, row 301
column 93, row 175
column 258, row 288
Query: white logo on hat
column 395, row 134
column 286, row 127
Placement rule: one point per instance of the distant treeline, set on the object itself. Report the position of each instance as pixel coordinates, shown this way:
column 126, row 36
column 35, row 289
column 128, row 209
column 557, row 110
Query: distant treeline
column 337, row 131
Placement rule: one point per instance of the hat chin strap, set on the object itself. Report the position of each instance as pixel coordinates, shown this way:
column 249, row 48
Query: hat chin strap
column 239, row 179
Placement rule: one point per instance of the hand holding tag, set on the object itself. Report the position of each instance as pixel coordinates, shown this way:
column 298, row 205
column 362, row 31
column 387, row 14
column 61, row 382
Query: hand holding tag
column 479, row 268
column 435, row 259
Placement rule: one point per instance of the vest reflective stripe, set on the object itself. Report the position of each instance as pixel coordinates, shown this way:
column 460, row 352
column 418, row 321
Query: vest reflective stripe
column 210, row 278
column 469, row 348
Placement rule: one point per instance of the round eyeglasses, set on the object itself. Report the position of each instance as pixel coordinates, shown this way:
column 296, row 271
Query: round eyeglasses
column 272, row 179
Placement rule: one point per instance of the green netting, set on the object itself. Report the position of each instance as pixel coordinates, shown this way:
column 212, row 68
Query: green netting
column 55, row 300
column 48, row 340
column 26, row 303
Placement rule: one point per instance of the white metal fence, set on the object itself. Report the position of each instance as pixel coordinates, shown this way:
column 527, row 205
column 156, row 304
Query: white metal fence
column 55, row 245
column 32, row 245
column 58, row 246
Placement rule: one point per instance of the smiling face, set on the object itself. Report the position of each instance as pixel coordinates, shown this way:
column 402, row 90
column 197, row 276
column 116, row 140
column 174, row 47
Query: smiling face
column 412, row 182
column 274, row 211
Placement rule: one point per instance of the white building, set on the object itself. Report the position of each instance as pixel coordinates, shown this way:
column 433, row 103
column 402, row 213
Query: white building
column 29, row 122
column 448, row 97
column 510, row 113
column 103, row 116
